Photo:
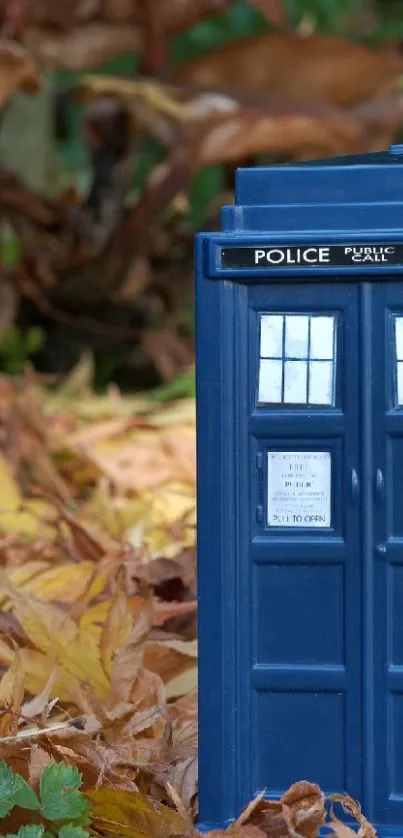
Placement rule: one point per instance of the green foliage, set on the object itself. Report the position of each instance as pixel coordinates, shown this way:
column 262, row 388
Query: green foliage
column 60, row 801
column 31, row 832
column 328, row 15
column 38, row 831
column 25, row 796
column 181, row 387
column 240, row 20
column 70, row 831
column 14, row 791
column 18, row 346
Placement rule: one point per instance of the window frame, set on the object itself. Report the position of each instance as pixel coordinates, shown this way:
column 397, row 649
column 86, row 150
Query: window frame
column 309, row 361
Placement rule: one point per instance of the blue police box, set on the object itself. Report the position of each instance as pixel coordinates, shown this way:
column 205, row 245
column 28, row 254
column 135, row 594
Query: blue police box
column 300, row 487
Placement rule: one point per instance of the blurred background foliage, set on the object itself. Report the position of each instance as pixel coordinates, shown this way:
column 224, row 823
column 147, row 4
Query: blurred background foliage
column 52, row 156
column 241, row 20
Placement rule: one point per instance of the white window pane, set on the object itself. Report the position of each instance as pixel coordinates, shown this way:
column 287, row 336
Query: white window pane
column 399, row 338
column 270, row 376
column 271, row 335
column 322, row 338
column 400, row 383
column 295, row 381
column 321, row 382
column 296, row 336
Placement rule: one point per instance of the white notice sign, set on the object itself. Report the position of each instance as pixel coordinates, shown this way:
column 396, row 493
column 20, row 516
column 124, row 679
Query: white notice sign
column 299, row 489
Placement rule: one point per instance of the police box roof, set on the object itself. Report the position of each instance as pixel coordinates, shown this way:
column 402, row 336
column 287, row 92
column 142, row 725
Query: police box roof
column 357, row 192
column 353, row 178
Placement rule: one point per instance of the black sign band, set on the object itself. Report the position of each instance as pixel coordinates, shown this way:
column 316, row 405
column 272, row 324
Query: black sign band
column 309, row 256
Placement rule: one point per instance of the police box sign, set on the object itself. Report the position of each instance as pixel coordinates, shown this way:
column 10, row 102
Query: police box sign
column 311, row 256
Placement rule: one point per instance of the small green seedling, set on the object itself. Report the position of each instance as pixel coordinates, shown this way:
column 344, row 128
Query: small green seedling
column 62, row 806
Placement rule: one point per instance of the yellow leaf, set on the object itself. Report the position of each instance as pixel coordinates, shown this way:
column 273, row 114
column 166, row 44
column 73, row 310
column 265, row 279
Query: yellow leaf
column 116, row 513
column 6, row 653
column 133, row 815
column 55, row 634
column 117, row 629
column 10, row 493
column 183, row 684
column 66, row 583
column 17, row 515
column 12, row 684
column 19, row 576
column 37, row 667
column 12, row 687
column 93, row 618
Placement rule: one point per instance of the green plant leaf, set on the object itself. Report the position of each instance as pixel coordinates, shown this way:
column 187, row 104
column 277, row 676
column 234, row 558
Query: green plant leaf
column 70, row 831
column 60, row 796
column 31, row 832
column 35, row 339
column 8, row 789
column 25, row 796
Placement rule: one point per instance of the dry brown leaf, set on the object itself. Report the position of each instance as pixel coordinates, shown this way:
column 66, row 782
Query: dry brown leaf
column 316, row 66
column 170, row 658
column 82, row 47
column 351, row 807
column 127, row 662
column 236, row 831
column 39, row 704
column 183, row 776
column 171, row 353
column 224, row 125
column 150, row 462
column 304, row 808
column 274, row 11
column 38, row 760
column 296, row 134
column 18, row 70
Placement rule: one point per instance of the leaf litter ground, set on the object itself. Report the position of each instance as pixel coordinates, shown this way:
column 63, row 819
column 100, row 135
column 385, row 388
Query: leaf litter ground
column 98, row 649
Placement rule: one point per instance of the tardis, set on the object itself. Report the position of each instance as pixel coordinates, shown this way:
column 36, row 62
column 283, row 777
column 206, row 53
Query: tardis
column 300, row 487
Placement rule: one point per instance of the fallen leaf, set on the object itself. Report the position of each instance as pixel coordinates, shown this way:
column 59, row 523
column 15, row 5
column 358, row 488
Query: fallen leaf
column 18, row 70
column 315, row 66
column 117, row 629
column 37, row 705
column 127, row 661
column 134, row 815
column 58, row 637
column 170, row 658
column 12, row 688
column 352, row 808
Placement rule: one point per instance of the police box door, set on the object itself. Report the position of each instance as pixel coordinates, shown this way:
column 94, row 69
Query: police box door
column 302, row 690
column 323, row 692
column 383, row 622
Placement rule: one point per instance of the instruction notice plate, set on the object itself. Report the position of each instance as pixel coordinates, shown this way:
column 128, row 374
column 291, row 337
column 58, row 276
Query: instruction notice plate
column 299, row 489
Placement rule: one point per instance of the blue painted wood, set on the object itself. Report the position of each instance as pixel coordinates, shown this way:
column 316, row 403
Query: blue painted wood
column 301, row 628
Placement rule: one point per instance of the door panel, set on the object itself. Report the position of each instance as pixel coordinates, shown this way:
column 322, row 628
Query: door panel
column 304, row 670
column 387, row 677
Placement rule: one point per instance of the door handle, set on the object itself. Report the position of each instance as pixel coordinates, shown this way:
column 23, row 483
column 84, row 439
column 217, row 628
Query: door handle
column 379, row 486
column 354, row 486
column 380, row 549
